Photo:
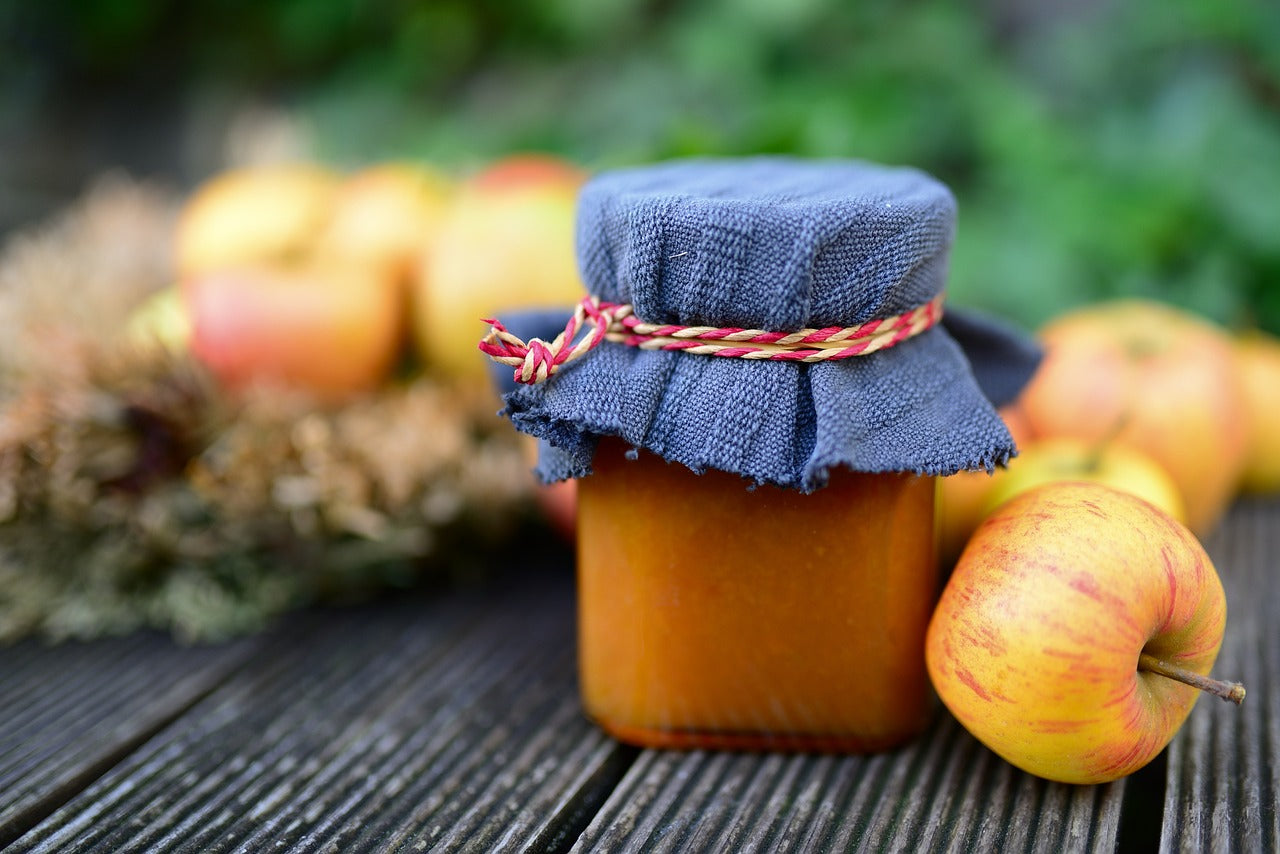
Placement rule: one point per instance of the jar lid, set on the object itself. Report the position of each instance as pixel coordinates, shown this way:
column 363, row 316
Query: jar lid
column 776, row 244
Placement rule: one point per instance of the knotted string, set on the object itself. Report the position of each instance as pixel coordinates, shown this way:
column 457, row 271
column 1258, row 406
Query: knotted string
column 536, row 360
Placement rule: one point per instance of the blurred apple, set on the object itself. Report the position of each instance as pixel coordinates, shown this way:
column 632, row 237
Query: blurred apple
column 1065, row 634
column 386, row 215
column 1258, row 360
column 160, row 322
column 558, row 501
column 332, row 332
column 1168, row 376
column 532, row 171
column 1070, row 459
column 252, row 216
column 962, row 497
column 506, row 243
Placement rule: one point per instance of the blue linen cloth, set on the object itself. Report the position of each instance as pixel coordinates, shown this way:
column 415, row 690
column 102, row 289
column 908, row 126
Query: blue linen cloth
column 776, row 244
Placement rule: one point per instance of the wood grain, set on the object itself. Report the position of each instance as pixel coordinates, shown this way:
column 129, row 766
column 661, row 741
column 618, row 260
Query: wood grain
column 1223, row 787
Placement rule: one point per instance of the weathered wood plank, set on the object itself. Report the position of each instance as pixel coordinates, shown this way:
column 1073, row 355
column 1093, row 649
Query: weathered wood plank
column 69, row 712
column 944, row 792
column 450, row 724
column 1223, row 790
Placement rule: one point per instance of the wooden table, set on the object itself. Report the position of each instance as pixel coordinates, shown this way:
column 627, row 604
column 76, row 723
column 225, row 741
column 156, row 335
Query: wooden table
column 449, row 721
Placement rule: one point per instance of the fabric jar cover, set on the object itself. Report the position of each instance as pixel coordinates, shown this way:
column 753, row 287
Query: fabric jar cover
column 777, row 244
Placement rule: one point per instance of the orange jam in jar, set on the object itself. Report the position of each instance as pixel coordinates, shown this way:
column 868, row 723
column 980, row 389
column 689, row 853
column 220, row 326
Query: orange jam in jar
column 716, row 616
column 770, row 321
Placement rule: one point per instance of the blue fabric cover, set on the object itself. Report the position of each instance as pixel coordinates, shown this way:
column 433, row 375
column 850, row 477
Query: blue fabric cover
column 776, row 244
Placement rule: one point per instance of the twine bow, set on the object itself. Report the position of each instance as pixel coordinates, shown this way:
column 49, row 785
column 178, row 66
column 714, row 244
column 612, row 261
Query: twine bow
column 536, row 360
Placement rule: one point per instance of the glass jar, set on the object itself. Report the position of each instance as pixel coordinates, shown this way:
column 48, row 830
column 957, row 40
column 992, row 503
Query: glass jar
column 712, row 615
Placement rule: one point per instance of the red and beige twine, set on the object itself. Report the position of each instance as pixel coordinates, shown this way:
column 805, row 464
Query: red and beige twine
column 535, row 360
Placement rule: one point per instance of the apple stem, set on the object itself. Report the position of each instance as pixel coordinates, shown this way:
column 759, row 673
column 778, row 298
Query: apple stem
column 1232, row 691
column 1093, row 459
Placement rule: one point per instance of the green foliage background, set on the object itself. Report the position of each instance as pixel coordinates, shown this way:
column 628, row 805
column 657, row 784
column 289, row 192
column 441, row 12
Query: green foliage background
column 1096, row 148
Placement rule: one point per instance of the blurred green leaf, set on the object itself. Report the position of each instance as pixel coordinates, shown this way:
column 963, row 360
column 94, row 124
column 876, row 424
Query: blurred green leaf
column 1096, row 149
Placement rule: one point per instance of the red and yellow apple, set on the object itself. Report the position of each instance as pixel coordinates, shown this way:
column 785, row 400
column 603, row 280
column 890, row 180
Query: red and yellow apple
column 1112, row 464
column 160, row 323
column 265, row 215
column 962, row 497
column 1048, row 635
column 506, row 243
column 1167, row 376
column 558, row 501
column 332, row 331
column 385, row 216
column 1258, row 361
column 528, row 171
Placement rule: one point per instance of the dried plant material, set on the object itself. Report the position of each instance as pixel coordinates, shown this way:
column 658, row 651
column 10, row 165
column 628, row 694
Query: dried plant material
column 134, row 493
column 66, row 288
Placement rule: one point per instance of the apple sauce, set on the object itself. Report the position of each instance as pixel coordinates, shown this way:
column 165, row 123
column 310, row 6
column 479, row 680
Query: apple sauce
column 716, row 616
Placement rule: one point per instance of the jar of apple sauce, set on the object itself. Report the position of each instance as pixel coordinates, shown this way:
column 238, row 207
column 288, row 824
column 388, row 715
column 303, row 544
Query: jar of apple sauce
column 712, row 616
column 755, row 397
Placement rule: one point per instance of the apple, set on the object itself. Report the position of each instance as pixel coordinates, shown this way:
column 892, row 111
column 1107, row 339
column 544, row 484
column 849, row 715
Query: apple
column 1113, row 464
column 962, row 496
column 557, row 501
column 330, row 331
column 160, row 323
column 1065, row 634
column 531, row 171
column 255, row 215
column 1171, row 379
column 1258, row 362
column 386, row 215
column 506, row 243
